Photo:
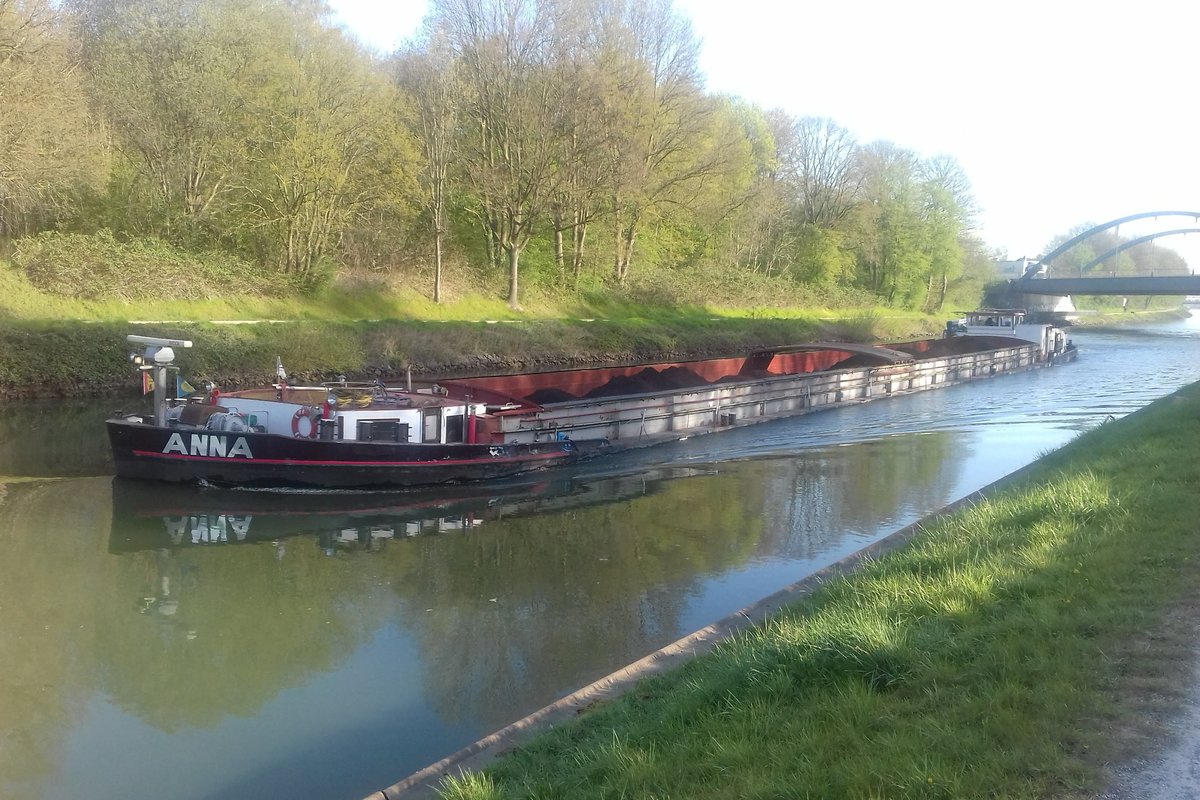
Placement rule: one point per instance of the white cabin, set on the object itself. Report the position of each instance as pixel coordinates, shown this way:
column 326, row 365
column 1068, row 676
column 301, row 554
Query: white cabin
column 1009, row 322
column 364, row 415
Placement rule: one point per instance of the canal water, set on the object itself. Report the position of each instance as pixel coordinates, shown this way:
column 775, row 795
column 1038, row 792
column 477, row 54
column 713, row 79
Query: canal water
column 166, row 642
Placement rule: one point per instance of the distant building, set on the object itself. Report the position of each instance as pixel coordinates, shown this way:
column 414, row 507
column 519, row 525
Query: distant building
column 1011, row 270
column 1033, row 303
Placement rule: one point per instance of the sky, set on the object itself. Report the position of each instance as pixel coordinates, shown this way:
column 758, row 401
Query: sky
column 1060, row 112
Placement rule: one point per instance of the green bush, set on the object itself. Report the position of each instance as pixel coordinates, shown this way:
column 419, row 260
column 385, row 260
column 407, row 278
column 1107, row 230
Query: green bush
column 101, row 266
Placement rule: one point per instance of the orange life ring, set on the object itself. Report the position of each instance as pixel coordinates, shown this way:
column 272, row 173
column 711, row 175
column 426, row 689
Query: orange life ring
column 308, row 413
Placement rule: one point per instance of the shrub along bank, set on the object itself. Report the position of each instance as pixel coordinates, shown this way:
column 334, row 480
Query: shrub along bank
column 76, row 357
column 1002, row 653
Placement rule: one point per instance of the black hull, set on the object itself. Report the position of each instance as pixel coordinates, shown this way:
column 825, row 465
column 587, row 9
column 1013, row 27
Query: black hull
column 150, row 452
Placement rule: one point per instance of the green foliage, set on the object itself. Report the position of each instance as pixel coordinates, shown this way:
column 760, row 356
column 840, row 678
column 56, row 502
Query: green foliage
column 47, row 357
column 50, row 153
column 262, row 130
column 822, row 258
column 100, row 266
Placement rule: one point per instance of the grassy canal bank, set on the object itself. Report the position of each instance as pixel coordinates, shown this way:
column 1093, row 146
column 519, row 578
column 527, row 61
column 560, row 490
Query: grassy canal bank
column 91, row 357
column 1011, row 649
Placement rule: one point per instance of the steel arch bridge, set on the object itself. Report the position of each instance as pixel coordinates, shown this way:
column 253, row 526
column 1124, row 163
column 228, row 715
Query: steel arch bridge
column 1030, row 283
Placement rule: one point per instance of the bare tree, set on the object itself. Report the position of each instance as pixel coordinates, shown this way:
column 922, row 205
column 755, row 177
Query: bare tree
column 821, row 160
column 504, row 47
column 658, row 116
column 430, row 77
column 579, row 70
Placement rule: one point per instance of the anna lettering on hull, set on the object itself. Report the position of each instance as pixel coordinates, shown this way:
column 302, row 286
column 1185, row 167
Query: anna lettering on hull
column 202, row 444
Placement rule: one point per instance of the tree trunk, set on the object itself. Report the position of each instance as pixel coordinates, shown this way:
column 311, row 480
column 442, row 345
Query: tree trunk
column 489, row 242
column 626, row 255
column 617, row 245
column 437, row 265
column 437, row 217
column 928, row 306
column 579, row 236
column 559, row 257
column 514, row 258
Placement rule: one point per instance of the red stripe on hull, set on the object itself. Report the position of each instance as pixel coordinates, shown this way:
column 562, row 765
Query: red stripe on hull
column 308, row 462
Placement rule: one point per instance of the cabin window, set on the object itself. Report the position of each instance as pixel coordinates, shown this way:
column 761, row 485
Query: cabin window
column 431, row 425
column 382, row 430
column 454, row 428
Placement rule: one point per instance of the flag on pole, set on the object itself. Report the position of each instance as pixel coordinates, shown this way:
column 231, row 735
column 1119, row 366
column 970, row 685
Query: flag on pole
column 147, row 382
column 182, row 387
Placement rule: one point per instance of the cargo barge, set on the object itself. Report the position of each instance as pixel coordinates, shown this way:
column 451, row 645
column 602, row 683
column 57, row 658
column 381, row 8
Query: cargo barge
column 355, row 435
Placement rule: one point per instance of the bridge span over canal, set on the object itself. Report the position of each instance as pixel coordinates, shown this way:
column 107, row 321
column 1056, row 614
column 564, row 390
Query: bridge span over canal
column 1122, row 285
column 1041, row 278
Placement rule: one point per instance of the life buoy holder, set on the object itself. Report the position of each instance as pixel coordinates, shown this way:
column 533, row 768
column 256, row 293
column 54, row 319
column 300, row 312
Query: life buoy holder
column 308, row 413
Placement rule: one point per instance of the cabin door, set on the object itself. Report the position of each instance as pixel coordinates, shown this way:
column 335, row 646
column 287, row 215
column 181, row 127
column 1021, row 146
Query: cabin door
column 431, row 426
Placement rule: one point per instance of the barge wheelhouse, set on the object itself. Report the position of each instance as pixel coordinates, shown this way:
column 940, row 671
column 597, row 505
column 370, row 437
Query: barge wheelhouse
column 338, row 435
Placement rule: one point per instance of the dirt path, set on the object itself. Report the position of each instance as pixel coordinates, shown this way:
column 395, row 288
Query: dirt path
column 1157, row 749
column 1171, row 771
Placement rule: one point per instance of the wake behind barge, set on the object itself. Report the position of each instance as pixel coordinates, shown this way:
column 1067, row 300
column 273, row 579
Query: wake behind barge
column 347, row 435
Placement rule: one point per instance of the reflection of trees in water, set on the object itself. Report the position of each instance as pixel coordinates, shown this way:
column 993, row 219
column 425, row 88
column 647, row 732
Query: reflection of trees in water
column 222, row 629
column 570, row 592
column 189, row 635
column 175, row 637
column 52, row 571
column 61, row 438
column 812, row 502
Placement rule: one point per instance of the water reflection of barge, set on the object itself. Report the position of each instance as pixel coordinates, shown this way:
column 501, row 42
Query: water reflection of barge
column 148, row 516
column 342, row 435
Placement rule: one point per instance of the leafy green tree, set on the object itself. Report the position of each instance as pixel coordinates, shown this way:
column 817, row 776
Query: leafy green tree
column 334, row 149
column 51, row 148
column 888, row 225
column 759, row 230
column 263, row 129
column 979, row 271
column 178, row 81
column 948, row 211
column 582, row 67
column 1152, row 259
column 660, row 119
column 822, row 256
column 806, row 192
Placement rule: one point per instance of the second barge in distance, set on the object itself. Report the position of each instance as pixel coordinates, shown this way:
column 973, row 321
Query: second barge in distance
column 351, row 435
